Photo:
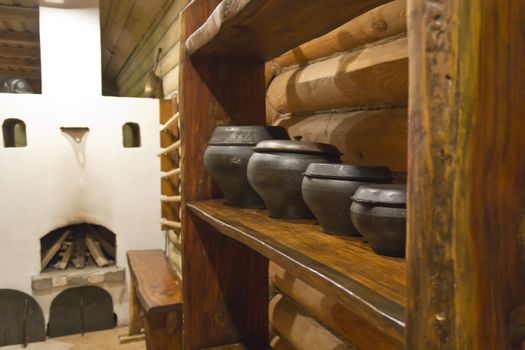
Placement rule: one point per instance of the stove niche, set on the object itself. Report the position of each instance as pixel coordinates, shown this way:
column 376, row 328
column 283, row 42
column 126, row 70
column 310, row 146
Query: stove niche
column 77, row 247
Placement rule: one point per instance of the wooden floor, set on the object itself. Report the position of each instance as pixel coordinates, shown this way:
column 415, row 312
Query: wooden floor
column 104, row 340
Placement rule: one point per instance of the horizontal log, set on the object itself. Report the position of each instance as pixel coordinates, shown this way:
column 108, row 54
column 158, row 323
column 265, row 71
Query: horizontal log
column 376, row 137
column 329, row 311
column 300, row 329
column 279, row 343
column 19, row 63
column 379, row 23
column 375, row 75
column 19, row 73
column 18, row 13
column 24, row 52
column 12, row 37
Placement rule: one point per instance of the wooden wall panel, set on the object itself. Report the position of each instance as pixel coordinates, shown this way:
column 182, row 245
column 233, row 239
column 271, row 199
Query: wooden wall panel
column 20, row 42
column 126, row 28
column 163, row 33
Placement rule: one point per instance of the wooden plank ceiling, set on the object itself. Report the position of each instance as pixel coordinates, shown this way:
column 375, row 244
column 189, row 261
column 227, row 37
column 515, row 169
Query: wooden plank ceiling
column 123, row 25
column 19, row 41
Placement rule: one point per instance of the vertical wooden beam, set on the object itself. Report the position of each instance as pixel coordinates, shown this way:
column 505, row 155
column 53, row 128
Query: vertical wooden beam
column 466, row 215
column 225, row 283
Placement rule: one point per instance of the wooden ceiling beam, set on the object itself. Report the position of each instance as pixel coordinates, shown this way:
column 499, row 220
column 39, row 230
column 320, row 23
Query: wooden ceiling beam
column 19, row 63
column 32, row 75
column 12, row 37
column 19, row 52
column 19, row 13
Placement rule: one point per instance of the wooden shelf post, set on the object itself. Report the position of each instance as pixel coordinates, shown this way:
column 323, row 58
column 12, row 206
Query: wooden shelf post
column 466, row 266
column 225, row 282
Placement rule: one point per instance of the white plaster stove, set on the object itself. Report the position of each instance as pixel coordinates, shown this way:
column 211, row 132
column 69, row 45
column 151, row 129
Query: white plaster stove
column 52, row 182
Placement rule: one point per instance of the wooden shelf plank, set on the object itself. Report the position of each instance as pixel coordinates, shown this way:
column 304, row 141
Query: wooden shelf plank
column 264, row 29
column 372, row 286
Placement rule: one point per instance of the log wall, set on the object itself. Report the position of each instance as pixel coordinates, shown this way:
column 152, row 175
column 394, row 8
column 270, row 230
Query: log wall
column 348, row 88
column 163, row 33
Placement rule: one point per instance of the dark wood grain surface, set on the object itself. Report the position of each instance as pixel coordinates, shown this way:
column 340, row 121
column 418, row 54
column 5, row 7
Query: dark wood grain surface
column 157, row 286
column 22, row 319
column 372, row 286
column 260, row 30
column 225, row 283
column 466, row 205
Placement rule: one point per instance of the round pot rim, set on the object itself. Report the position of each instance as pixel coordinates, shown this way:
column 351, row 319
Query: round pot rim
column 385, row 194
column 347, row 172
column 296, row 147
column 245, row 135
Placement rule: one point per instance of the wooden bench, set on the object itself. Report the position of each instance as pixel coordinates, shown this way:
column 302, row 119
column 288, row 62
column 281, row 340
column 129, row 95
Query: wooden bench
column 155, row 300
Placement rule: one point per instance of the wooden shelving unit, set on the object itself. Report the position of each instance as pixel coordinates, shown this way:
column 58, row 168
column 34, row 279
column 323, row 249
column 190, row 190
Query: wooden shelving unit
column 222, row 82
column 373, row 286
column 464, row 287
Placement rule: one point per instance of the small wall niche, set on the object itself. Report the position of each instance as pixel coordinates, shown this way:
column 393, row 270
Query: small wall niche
column 130, row 135
column 14, row 131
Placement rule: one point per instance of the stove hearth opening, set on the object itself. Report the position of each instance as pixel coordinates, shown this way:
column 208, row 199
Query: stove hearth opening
column 77, row 247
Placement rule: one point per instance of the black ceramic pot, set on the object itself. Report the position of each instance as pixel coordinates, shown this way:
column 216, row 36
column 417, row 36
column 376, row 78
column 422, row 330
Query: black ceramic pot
column 379, row 214
column 276, row 170
column 328, row 189
column 226, row 159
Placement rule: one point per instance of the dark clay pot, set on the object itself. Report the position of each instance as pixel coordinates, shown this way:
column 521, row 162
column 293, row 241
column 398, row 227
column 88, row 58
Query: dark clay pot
column 328, row 189
column 226, row 159
column 379, row 214
column 276, row 170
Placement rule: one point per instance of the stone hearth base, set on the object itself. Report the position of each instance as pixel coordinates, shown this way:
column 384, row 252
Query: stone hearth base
column 70, row 278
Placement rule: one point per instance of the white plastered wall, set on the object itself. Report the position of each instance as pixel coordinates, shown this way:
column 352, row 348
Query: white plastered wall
column 54, row 181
